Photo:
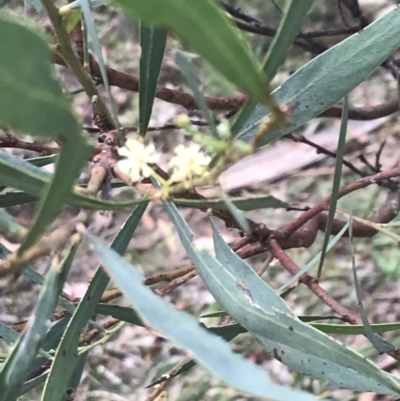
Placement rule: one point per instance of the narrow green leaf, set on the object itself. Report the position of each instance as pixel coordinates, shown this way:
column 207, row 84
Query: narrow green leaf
column 292, row 342
column 75, row 5
column 183, row 329
column 129, row 315
column 16, row 367
column 297, row 345
column 90, row 27
column 16, row 198
column 226, row 332
column 70, row 161
column 262, row 293
column 208, row 31
column 242, row 203
column 72, row 20
column 336, row 182
column 123, row 313
column 3, row 3
column 288, row 29
column 8, row 333
column 50, row 342
column 379, row 343
column 22, row 175
column 35, row 102
column 152, row 41
column 314, row 260
column 329, row 77
column 66, row 360
column 188, row 70
column 237, row 215
column 36, row 277
column 33, row 383
column 43, row 160
column 355, row 329
column 10, row 225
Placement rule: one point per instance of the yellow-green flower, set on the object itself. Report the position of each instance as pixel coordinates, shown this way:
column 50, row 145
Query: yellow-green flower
column 188, row 162
column 137, row 158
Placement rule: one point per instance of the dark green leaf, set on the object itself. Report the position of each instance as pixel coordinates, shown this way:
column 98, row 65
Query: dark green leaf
column 43, row 160
column 336, row 182
column 294, row 343
column 152, row 42
column 262, row 293
column 16, row 368
column 206, row 28
column 3, row 3
column 188, row 70
column 20, row 174
column 244, row 203
column 355, row 329
column 70, row 161
column 35, row 102
column 182, row 328
column 32, row 274
column 51, row 342
column 329, row 77
column 16, row 198
column 289, row 27
column 379, row 343
column 237, row 215
column 120, row 312
column 94, row 39
column 33, row 383
column 10, row 225
column 67, row 361
column 8, row 333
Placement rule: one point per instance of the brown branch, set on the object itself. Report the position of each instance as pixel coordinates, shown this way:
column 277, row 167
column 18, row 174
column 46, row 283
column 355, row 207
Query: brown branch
column 176, row 96
column 321, row 206
column 169, row 275
column 176, row 283
column 365, row 113
column 386, row 213
column 345, row 314
column 311, row 283
column 34, row 147
column 130, row 82
column 90, row 335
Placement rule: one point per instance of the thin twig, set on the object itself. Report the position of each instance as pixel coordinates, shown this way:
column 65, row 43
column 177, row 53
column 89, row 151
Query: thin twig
column 176, row 283
column 266, row 264
column 289, row 229
column 312, row 283
column 159, row 388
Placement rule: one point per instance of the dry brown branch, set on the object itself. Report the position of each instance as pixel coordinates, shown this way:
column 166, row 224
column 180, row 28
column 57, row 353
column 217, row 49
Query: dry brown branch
column 312, row 283
column 179, row 97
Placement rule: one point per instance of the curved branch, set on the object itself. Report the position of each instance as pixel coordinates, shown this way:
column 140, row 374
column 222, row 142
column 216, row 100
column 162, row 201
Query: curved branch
column 365, row 113
column 321, row 206
column 176, row 96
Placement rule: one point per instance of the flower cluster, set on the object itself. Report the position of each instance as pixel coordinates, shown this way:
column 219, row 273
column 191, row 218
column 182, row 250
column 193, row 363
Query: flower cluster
column 137, row 157
column 188, row 162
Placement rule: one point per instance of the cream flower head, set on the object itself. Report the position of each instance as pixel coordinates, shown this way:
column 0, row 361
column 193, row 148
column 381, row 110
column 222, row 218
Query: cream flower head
column 188, row 162
column 137, row 159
